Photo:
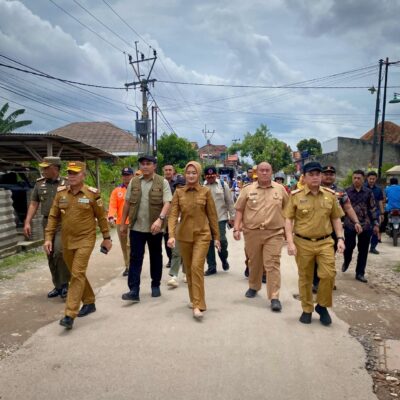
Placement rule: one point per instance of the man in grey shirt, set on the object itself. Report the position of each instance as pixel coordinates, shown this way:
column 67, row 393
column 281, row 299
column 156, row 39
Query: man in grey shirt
column 147, row 202
column 226, row 214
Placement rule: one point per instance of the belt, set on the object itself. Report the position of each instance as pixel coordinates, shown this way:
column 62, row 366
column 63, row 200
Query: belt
column 313, row 239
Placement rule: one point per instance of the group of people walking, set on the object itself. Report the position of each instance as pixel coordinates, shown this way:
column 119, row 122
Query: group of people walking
column 192, row 217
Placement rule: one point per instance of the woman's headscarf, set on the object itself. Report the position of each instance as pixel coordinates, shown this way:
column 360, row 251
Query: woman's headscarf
column 197, row 166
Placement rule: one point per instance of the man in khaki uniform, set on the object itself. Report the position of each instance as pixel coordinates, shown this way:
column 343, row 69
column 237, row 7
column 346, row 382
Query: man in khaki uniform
column 314, row 210
column 77, row 206
column 43, row 194
column 260, row 209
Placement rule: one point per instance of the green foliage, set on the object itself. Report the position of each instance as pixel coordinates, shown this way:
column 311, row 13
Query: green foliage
column 262, row 146
column 234, row 148
column 9, row 123
column 175, row 150
column 313, row 146
column 347, row 180
column 110, row 174
column 386, row 167
column 10, row 266
column 289, row 169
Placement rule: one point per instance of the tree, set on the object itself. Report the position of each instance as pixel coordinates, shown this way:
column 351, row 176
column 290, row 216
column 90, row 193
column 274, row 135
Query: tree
column 175, row 150
column 313, row 146
column 9, row 123
column 262, row 146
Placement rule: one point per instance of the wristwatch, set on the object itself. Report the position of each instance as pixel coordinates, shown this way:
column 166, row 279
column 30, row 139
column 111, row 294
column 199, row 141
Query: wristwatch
column 162, row 217
column 340, row 237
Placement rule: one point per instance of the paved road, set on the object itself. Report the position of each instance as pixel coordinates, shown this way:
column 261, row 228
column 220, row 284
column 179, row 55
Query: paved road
column 155, row 350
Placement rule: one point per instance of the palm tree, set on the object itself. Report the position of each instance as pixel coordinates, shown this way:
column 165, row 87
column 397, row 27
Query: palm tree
column 9, row 123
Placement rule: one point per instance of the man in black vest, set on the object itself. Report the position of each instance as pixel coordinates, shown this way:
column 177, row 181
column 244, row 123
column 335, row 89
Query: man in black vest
column 147, row 202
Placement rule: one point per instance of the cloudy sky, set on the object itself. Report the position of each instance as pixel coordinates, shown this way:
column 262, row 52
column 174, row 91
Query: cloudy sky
column 286, row 43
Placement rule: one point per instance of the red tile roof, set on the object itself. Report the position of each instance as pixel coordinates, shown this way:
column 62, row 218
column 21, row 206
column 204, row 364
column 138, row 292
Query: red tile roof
column 392, row 133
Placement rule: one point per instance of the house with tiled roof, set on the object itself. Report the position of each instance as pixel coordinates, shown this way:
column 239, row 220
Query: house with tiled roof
column 211, row 151
column 102, row 135
column 392, row 133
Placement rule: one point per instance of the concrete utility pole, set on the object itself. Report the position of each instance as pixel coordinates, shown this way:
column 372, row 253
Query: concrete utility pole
column 143, row 128
column 208, row 135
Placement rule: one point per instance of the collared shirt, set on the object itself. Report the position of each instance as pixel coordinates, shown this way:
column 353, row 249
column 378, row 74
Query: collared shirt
column 313, row 214
column 392, row 197
column 262, row 207
column 340, row 194
column 198, row 215
column 364, row 205
column 378, row 195
column 223, row 200
column 142, row 223
column 117, row 201
column 45, row 191
column 78, row 213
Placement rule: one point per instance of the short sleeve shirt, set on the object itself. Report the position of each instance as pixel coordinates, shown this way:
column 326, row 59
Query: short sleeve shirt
column 262, row 207
column 312, row 214
column 142, row 223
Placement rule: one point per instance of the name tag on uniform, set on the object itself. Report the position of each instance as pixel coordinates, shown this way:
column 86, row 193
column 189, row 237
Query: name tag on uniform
column 83, row 200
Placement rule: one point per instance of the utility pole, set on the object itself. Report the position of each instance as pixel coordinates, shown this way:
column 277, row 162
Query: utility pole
column 143, row 127
column 378, row 102
column 208, row 135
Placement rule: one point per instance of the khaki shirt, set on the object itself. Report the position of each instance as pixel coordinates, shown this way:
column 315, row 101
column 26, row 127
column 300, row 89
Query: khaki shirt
column 142, row 223
column 45, row 191
column 78, row 215
column 312, row 214
column 198, row 215
column 262, row 207
column 223, row 200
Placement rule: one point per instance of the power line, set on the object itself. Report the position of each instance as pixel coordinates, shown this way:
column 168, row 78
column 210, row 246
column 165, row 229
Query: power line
column 85, row 26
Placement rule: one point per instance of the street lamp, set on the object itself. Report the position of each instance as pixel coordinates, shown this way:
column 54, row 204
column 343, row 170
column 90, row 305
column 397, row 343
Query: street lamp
column 382, row 134
column 395, row 98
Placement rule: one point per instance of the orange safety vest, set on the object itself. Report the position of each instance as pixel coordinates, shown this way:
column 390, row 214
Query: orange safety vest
column 117, row 200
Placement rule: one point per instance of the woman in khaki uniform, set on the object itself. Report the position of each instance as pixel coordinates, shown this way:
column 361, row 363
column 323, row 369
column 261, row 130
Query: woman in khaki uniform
column 198, row 225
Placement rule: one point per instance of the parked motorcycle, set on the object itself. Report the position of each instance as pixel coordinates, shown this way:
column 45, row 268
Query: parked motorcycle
column 393, row 225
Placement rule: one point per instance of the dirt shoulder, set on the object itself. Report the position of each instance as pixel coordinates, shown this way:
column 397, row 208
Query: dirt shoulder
column 23, row 298
column 373, row 312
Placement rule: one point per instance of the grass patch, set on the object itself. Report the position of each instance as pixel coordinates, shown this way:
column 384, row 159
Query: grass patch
column 10, row 266
column 396, row 268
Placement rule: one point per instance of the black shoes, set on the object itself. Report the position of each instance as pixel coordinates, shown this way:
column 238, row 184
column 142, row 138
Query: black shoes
column 276, row 305
column 251, row 293
column 64, row 291
column 344, row 267
column 168, row 264
column 374, row 251
column 67, row 322
column 361, row 278
column 86, row 309
column 305, row 318
column 211, row 271
column 155, row 291
column 324, row 316
column 132, row 295
column 54, row 293
column 264, row 278
column 315, row 289
column 246, row 272
column 126, row 272
column 225, row 266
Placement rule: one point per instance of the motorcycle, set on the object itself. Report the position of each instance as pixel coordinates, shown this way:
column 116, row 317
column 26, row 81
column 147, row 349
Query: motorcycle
column 393, row 225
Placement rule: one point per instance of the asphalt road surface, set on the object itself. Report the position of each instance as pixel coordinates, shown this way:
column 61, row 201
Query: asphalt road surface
column 156, row 350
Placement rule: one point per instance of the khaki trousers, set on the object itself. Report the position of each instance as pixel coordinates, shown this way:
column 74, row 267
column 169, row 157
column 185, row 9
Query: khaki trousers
column 263, row 248
column 309, row 253
column 79, row 286
column 125, row 245
column 194, row 255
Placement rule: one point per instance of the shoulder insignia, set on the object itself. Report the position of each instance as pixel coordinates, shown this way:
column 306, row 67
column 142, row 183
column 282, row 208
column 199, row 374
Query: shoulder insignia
column 296, row 191
column 42, row 178
column 61, row 188
column 93, row 189
column 328, row 190
column 247, row 184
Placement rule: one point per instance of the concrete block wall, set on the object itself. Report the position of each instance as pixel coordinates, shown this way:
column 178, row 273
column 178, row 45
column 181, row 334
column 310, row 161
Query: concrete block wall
column 8, row 228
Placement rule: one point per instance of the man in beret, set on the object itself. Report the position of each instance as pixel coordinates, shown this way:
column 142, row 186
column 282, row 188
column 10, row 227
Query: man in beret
column 43, row 194
column 226, row 215
column 310, row 215
column 116, row 205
